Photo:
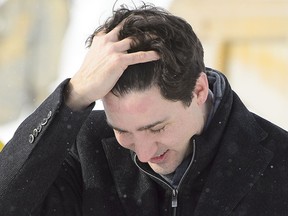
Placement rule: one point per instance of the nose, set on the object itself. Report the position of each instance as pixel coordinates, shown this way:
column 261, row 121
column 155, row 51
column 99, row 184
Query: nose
column 144, row 148
column 145, row 151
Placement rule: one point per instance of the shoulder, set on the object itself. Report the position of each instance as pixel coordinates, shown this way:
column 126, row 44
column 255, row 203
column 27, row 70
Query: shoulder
column 250, row 126
column 89, row 138
column 96, row 126
column 275, row 134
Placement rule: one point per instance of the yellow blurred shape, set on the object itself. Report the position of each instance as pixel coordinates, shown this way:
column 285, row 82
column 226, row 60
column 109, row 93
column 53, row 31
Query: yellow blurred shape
column 1, row 145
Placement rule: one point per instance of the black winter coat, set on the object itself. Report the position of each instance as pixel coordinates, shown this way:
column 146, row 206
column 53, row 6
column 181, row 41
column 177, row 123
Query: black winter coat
column 68, row 163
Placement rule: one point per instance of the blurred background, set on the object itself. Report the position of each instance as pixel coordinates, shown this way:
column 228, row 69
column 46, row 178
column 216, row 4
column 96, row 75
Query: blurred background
column 43, row 42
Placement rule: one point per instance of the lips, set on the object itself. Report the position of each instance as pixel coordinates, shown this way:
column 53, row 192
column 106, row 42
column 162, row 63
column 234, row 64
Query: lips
column 159, row 158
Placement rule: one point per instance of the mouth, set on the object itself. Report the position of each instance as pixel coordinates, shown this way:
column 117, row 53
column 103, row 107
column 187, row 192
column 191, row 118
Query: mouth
column 159, row 158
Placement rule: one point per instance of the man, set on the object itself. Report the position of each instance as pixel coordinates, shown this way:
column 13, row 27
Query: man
column 182, row 141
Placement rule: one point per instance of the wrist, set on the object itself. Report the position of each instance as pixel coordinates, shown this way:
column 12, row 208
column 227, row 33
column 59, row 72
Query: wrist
column 73, row 99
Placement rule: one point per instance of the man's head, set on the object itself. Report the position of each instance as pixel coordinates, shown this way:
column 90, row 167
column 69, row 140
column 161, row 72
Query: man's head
column 181, row 53
column 155, row 108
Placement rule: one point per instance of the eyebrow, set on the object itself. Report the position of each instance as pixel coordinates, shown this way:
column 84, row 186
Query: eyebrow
column 146, row 127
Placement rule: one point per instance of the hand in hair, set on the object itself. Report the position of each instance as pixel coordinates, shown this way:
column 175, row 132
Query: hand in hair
column 103, row 65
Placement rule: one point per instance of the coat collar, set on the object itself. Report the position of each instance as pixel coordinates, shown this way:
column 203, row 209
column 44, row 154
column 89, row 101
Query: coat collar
column 239, row 164
column 136, row 191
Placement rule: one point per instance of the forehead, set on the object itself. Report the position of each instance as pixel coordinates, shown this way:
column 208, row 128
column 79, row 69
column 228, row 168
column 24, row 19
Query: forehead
column 134, row 102
column 133, row 110
column 139, row 108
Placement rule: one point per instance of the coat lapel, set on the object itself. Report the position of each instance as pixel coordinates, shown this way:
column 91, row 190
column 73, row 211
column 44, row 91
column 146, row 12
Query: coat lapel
column 136, row 191
column 239, row 164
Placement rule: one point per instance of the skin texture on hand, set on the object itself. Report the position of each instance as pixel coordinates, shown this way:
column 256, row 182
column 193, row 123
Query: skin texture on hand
column 103, row 65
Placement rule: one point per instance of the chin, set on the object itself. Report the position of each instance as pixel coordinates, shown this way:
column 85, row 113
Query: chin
column 162, row 170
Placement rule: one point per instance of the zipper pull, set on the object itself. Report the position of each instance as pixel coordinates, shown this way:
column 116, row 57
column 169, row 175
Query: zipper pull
column 174, row 198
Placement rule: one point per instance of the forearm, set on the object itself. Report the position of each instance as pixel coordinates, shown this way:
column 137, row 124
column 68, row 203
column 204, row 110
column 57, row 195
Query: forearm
column 28, row 166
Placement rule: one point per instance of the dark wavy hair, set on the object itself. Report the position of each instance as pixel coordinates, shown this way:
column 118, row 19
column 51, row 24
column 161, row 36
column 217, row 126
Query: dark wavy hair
column 181, row 52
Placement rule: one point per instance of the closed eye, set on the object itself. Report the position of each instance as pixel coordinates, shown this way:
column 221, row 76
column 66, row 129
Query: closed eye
column 120, row 131
column 157, row 130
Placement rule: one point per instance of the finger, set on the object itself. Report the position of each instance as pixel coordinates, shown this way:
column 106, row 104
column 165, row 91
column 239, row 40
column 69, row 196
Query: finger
column 97, row 35
column 113, row 34
column 140, row 57
column 123, row 45
column 102, row 32
column 109, row 37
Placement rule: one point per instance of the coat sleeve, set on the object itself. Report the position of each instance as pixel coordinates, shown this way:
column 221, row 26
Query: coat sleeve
column 33, row 162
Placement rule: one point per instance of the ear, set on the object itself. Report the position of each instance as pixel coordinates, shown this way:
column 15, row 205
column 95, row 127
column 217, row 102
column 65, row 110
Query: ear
column 201, row 89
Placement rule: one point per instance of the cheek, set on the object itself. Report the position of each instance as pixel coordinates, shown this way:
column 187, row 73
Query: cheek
column 170, row 138
column 176, row 137
column 123, row 140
